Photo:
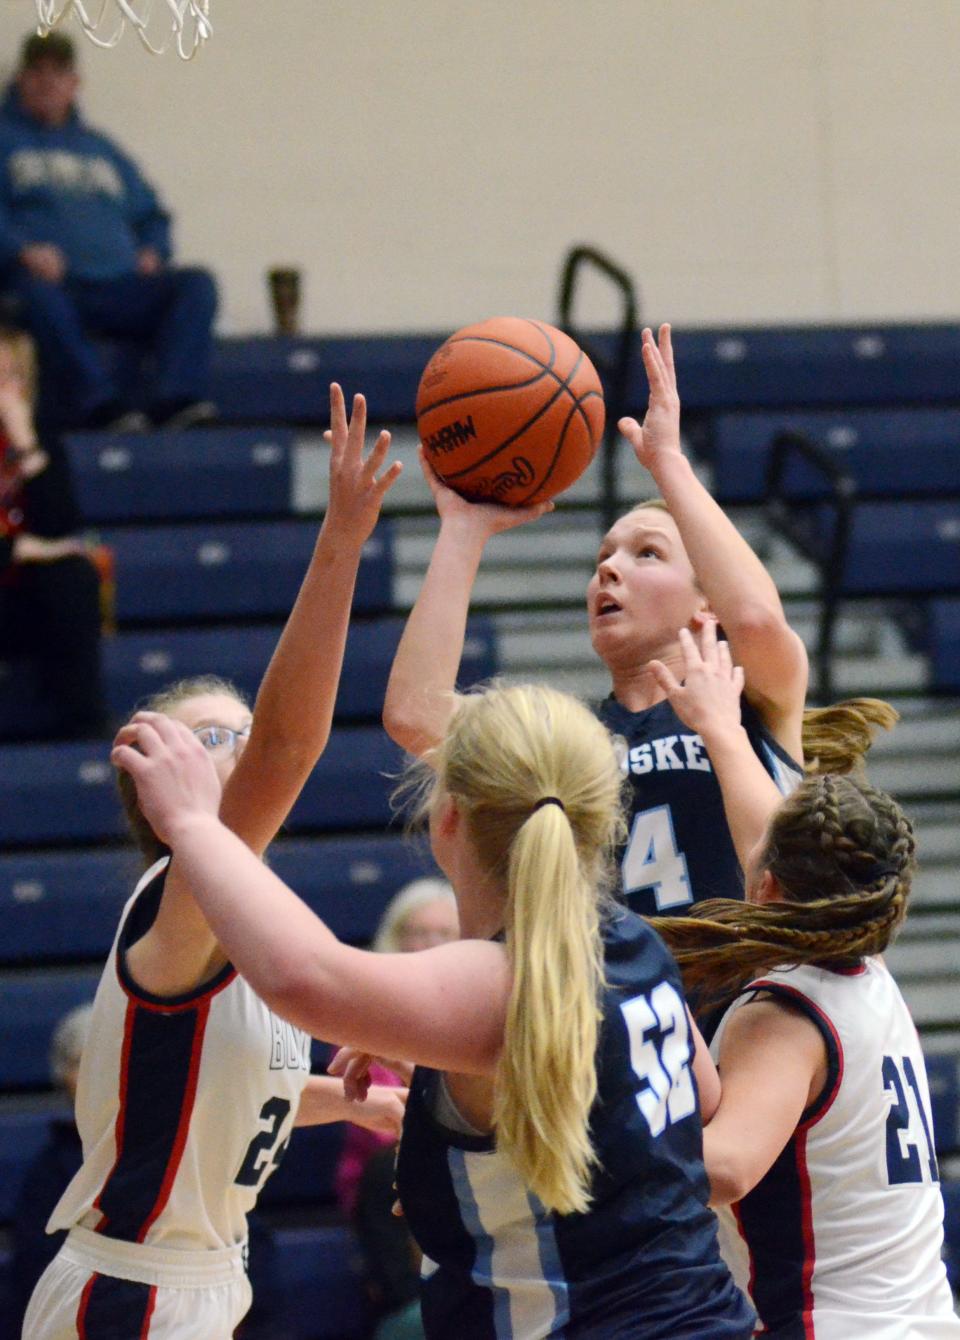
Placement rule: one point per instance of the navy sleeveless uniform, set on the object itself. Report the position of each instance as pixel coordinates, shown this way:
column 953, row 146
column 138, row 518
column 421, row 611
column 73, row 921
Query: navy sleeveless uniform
column 643, row 1262
column 679, row 851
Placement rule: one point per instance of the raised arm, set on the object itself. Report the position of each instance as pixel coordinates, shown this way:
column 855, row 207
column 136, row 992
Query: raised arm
column 420, row 693
column 708, row 701
column 294, row 708
column 741, row 592
column 443, row 1007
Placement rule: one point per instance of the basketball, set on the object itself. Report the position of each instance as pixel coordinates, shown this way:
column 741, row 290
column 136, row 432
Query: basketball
column 510, row 411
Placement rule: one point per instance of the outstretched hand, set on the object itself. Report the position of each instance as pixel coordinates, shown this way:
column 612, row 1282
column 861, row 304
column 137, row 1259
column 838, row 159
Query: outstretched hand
column 173, row 773
column 357, row 486
column 708, row 699
column 486, row 518
column 659, row 434
column 354, row 1067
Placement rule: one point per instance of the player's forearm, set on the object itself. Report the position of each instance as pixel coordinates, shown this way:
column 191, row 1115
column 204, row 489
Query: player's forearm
column 323, row 1101
column 420, row 691
column 294, row 708
column 750, row 794
column 734, row 580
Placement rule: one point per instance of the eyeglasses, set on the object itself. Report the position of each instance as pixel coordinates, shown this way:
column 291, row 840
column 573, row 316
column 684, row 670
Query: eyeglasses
column 220, row 739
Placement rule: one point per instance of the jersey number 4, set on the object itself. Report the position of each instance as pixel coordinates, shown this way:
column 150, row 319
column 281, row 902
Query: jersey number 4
column 909, row 1145
column 660, row 1056
column 651, row 860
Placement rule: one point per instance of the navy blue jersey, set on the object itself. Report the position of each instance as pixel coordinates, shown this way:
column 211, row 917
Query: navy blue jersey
column 679, row 850
column 643, row 1262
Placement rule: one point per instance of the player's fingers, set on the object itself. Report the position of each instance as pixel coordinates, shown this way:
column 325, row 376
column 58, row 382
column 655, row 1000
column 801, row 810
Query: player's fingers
column 338, row 416
column 374, row 462
column 739, row 679
column 664, row 677
column 390, row 477
column 708, row 641
column 653, row 364
column 666, row 351
column 631, row 430
column 127, row 759
column 692, row 659
column 725, row 658
column 357, row 428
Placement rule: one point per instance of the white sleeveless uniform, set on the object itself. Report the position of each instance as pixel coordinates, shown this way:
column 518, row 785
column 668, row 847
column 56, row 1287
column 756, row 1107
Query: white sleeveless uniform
column 184, row 1107
column 842, row 1239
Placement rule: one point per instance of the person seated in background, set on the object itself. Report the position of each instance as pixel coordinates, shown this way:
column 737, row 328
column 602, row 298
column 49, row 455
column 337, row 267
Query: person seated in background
column 85, row 250
column 53, row 1167
column 49, row 587
column 422, row 914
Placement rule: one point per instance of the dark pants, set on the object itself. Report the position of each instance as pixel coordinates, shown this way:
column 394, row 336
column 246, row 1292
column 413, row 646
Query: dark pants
column 169, row 314
column 51, row 614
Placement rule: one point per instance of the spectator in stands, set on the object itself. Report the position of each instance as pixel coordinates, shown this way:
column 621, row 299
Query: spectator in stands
column 423, row 913
column 54, row 1166
column 85, row 248
column 49, row 588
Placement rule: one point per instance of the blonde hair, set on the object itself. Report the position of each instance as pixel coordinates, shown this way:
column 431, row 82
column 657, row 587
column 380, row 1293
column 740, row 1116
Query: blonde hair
column 164, row 700
column 506, row 751
column 418, row 893
column 24, row 352
column 843, row 854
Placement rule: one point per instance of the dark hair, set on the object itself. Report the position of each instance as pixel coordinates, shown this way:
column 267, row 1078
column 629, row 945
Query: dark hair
column 843, row 854
column 55, row 47
column 162, row 701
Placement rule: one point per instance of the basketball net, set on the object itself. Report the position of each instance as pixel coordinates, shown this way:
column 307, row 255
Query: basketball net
column 104, row 21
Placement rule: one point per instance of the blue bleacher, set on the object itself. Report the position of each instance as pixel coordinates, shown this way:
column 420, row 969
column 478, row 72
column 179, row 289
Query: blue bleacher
column 137, row 664
column 895, row 548
column 285, row 380
column 33, row 1004
column 23, row 1133
column 951, row 1232
column 321, row 1276
column 58, row 905
column 67, row 792
column 7, row 1331
column 231, row 569
column 943, row 643
column 228, row 472
column 943, row 1075
column 890, row 452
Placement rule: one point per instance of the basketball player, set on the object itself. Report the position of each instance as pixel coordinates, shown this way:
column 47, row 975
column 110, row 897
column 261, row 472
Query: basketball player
column 550, row 1164
column 664, row 565
column 821, row 1155
column 190, row 1083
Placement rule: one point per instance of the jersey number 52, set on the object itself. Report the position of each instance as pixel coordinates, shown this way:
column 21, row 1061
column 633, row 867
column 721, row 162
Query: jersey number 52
column 660, row 1055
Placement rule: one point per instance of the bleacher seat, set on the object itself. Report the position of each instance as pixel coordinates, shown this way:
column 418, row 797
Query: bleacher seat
column 220, row 473
column 231, row 569
column 943, row 1075
column 287, row 380
column 943, row 643
column 136, row 664
column 33, row 1003
column 59, row 906
column 895, row 548
column 23, row 1133
column 7, row 1331
column 67, row 792
column 891, row 452
column 321, row 1276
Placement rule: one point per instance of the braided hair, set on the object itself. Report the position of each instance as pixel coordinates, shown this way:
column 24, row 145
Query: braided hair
column 842, row 853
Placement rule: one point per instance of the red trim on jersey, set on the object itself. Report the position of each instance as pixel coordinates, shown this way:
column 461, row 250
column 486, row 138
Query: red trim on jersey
column 183, row 1124
column 81, row 1322
column 752, row 1279
column 806, row 1227
column 120, row 1123
column 858, row 971
column 151, row 1304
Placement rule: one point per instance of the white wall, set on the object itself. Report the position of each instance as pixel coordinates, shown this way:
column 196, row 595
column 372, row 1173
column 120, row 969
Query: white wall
column 428, row 163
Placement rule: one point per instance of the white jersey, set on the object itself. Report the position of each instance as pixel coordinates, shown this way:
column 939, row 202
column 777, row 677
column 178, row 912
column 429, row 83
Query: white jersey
column 184, row 1105
column 842, row 1238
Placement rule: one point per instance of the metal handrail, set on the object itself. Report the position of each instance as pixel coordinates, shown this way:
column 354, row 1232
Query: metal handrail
column 617, row 368
column 781, row 510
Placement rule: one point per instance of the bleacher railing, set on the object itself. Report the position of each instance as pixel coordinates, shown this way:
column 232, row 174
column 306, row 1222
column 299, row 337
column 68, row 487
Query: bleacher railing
column 791, row 516
column 614, row 371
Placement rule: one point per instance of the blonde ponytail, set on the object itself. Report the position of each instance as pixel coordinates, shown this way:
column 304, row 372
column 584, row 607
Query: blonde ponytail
column 536, row 777
column 836, row 738
column 546, row 1078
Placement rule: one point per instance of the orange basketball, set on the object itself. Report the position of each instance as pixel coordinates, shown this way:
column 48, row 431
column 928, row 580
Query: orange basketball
column 510, row 410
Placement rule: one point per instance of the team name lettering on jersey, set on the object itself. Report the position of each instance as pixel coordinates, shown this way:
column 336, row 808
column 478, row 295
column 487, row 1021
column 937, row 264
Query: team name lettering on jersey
column 669, row 753
column 290, row 1049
